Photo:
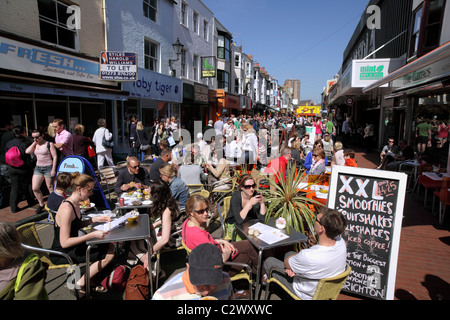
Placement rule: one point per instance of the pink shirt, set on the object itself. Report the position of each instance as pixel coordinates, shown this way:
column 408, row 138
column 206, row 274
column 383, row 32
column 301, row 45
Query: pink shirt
column 43, row 156
column 65, row 137
column 193, row 236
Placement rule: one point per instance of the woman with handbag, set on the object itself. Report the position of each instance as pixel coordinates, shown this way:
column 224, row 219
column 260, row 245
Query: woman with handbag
column 142, row 141
column 103, row 152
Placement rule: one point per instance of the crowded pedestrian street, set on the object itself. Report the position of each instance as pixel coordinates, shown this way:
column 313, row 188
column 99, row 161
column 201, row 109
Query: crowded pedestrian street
column 160, row 150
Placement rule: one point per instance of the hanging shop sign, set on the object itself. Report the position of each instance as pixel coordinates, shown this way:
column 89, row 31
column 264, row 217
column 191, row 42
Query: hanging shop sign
column 24, row 57
column 118, row 66
column 208, row 67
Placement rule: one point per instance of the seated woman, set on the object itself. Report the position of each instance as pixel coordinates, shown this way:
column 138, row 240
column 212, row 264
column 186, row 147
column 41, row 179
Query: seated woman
column 67, row 224
column 319, row 166
column 219, row 173
column 56, row 197
column 309, row 160
column 12, row 257
column 178, row 188
column 246, row 204
column 194, row 233
column 164, row 210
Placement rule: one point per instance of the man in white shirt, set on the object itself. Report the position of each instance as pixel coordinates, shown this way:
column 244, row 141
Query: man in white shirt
column 326, row 259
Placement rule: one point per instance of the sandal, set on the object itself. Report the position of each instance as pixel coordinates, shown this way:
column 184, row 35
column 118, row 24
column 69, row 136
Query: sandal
column 100, row 289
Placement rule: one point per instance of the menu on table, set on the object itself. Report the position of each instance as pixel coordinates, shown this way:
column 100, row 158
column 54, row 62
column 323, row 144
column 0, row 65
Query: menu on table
column 268, row 234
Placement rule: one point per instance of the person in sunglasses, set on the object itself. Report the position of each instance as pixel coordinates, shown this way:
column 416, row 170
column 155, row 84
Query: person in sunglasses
column 132, row 177
column 246, row 204
column 194, row 233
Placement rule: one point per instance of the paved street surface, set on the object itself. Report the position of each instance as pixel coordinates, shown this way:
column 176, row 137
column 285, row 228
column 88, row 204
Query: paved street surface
column 423, row 271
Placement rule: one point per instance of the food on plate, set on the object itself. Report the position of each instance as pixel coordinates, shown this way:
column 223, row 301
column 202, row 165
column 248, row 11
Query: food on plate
column 136, row 202
column 85, row 204
column 208, row 298
column 133, row 215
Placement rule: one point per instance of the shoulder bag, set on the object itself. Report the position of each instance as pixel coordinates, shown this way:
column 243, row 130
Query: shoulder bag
column 107, row 143
column 142, row 147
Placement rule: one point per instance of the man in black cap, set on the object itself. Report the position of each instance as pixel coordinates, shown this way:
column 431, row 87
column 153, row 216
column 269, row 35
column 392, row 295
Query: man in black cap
column 203, row 277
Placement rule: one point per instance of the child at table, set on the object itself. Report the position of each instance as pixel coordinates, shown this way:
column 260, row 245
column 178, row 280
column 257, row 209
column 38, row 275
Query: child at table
column 349, row 156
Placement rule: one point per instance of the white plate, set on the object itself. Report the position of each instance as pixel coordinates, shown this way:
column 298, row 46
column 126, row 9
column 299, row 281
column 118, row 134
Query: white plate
column 92, row 205
column 147, row 202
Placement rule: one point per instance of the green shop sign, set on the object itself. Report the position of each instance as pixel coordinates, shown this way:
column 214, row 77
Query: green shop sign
column 371, row 72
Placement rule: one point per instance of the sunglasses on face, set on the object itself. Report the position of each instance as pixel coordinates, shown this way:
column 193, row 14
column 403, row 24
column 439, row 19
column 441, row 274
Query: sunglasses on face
column 317, row 220
column 202, row 211
column 134, row 167
column 250, row 186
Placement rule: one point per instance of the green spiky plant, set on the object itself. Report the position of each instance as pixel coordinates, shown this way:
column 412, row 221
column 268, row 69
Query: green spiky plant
column 287, row 202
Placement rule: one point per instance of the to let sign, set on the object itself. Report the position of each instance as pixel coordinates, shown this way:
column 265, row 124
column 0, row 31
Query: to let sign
column 118, row 66
column 372, row 202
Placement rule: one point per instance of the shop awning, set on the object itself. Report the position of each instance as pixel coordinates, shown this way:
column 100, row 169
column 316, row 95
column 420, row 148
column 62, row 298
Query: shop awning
column 432, row 57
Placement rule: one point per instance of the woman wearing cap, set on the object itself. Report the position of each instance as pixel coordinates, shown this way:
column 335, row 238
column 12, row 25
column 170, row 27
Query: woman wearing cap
column 194, row 233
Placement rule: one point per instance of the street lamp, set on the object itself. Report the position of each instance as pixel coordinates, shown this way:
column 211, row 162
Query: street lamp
column 178, row 48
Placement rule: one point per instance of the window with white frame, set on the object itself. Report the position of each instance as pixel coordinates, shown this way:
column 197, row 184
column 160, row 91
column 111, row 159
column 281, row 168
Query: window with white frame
column 223, row 48
column 150, row 9
column 195, row 60
column 150, row 55
column 237, row 60
column 237, row 86
column 223, row 80
column 183, row 64
column 53, row 24
column 205, row 30
column 184, row 13
column 248, row 70
column 195, row 22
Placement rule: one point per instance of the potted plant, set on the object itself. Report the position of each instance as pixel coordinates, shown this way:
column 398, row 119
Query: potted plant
column 287, row 202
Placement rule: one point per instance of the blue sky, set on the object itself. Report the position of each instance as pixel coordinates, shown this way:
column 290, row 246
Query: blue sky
column 293, row 39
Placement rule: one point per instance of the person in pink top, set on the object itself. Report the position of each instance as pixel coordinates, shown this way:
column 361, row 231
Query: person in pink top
column 63, row 138
column 194, row 233
column 47, row 158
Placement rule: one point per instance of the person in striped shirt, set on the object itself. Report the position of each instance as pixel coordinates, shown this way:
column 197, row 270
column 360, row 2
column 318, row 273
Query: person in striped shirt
column 203, row 277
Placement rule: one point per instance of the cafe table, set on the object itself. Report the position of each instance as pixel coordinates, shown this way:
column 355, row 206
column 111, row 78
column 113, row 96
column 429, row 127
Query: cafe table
column 128, row 204
column 293, row 237
column 130, row 231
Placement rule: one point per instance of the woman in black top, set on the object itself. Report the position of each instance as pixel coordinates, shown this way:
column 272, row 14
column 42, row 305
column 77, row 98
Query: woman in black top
column 246, row 204
column 67, row 224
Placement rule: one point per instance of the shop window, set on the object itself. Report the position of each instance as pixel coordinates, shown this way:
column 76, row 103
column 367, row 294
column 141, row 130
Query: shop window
column 426, row 28
column 150, row 9
column 53, row 23
column 150, row 55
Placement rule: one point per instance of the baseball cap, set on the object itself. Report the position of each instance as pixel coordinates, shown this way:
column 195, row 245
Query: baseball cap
column 205, row 265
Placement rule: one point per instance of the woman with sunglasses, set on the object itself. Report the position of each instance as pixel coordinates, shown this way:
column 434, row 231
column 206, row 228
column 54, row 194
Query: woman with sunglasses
column 67, row 224
column 194, row 233
column 46, row 161
column 246, row 204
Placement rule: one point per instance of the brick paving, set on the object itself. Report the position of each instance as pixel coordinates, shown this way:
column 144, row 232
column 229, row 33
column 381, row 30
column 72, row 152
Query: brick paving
column 423, row 271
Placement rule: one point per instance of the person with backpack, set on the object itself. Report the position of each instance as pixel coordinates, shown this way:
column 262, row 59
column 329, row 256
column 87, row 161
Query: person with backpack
column 46, row 162
column 20, row 166
column 22, row 274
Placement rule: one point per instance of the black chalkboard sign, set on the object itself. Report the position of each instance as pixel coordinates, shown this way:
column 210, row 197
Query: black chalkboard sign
column 372, row 201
